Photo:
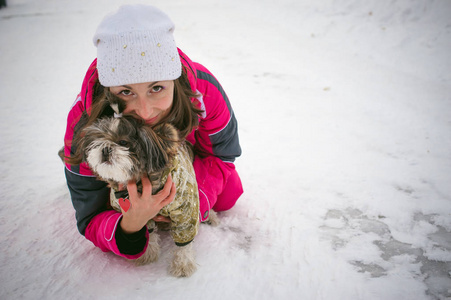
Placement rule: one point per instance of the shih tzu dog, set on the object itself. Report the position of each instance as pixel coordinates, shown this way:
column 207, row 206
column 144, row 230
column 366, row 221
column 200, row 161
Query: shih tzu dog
column 121, row 148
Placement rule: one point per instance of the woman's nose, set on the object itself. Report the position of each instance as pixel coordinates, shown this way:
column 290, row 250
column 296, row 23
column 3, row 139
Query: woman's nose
column 143, row 108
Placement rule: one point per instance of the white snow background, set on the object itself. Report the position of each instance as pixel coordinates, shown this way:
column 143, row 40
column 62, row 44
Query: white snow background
column 344, row 110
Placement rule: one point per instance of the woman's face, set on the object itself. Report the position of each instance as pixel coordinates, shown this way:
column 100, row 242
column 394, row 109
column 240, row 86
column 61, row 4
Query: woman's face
column 151, row 101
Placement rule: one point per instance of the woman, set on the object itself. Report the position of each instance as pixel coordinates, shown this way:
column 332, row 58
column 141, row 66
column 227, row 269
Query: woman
column 138, row 61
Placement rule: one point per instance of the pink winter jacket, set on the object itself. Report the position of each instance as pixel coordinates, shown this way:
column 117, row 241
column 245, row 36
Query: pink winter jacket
column 215, row 142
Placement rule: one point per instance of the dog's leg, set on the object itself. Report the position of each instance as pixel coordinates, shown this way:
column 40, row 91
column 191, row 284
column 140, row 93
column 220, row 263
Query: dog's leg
column 212, row 219
column 183, row 263
column 153, row 250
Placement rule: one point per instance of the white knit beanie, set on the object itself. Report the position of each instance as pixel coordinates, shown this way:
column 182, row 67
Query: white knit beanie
column 135, row 44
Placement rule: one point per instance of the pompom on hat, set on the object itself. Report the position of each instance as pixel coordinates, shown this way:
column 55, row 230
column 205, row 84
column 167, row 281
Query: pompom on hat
column 135, row 44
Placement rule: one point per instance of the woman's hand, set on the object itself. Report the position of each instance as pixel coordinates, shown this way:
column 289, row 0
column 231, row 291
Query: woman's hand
column 145, row 206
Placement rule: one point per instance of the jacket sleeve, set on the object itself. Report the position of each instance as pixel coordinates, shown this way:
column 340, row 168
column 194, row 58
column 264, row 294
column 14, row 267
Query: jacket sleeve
column 216, row 140
column 217, row 133
column 184, row 210
column 99, row 224
column 103, row 230
column 89, row 197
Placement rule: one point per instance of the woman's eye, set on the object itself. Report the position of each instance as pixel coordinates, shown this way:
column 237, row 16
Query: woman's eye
column 157, row 88
column 125, row 92
column 123, row 143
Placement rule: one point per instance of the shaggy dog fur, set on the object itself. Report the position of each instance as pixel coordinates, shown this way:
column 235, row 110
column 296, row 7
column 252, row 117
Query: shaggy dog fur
column 121, row 148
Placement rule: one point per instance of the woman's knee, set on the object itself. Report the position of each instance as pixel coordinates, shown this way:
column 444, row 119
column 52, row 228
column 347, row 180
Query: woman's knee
column 230, row 194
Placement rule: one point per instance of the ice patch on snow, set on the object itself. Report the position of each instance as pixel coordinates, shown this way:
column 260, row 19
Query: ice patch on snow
column 433, row 260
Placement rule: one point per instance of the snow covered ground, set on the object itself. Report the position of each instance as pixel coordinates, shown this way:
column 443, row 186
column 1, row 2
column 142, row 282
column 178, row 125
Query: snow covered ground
column 344, row 109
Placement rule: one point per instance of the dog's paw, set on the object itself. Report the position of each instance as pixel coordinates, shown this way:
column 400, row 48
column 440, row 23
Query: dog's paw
column 213, row 219
column 152, row 252
column 183, row 263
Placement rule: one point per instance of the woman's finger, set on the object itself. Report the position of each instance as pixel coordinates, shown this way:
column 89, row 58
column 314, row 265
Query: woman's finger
column 166, row 189
column 132, row 190
column 170, row 197
column 147, row 187
column 160, row 218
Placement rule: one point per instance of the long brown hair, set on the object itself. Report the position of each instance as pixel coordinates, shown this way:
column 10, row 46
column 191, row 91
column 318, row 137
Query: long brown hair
column 184, row 115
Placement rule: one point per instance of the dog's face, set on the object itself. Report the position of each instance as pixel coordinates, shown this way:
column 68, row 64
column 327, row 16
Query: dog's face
column 124, row 149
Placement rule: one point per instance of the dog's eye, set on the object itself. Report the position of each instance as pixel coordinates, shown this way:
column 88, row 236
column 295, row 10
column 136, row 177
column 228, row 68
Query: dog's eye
column 123, row 143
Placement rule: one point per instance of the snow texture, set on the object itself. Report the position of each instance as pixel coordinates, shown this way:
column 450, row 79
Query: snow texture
column 344, row 108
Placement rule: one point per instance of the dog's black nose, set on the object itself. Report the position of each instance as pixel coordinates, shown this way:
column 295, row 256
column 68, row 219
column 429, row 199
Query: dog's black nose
column 106, row 153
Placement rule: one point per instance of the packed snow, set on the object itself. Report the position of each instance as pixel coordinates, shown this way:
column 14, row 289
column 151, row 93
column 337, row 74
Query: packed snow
column 344, row 110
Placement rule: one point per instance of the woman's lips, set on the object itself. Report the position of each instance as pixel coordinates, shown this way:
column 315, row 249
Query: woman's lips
column 152, row 120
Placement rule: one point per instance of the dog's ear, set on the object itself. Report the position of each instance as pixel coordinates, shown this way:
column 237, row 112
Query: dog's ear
column 88, row 136
column 154, row 150
column 116, row 103
column 169, row 137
